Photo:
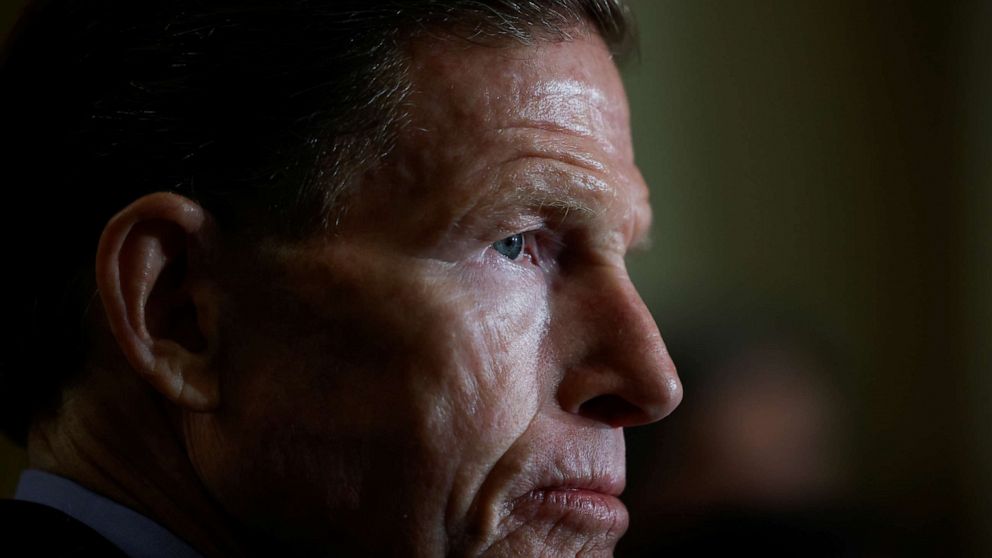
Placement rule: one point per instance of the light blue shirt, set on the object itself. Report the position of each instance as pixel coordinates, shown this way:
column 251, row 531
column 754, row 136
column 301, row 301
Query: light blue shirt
column 135, row 534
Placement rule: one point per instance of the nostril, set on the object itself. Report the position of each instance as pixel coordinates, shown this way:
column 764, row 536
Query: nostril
column 613, row 410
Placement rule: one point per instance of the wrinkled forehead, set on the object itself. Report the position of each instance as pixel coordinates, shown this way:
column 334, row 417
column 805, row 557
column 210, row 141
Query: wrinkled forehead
column 571, row 87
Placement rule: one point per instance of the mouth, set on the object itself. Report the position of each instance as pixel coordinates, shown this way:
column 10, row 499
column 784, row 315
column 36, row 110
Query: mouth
column 583, row 505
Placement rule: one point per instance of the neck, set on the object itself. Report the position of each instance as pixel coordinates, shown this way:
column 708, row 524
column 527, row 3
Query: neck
column 113, row 436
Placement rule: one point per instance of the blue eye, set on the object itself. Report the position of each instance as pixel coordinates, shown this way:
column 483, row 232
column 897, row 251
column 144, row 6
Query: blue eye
column 511, row 246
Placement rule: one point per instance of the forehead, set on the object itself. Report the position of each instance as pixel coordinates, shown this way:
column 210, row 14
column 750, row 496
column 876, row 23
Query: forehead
column 500, row 133
column 569, row 87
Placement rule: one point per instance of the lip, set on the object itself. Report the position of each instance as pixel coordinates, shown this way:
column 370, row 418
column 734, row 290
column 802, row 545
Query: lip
column 606, row 484
column 561, row 482
column 582, row 504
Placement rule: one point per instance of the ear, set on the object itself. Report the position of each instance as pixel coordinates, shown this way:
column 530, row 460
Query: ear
column 149, row 271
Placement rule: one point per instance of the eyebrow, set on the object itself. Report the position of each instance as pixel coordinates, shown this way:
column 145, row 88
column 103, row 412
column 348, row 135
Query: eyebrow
column 563, row 195
column 558, row 194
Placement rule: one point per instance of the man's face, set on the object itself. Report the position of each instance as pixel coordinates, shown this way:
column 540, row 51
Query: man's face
column 451, row 370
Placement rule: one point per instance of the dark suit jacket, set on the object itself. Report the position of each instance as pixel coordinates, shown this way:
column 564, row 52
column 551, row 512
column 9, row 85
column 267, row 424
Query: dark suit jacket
column 30, row 529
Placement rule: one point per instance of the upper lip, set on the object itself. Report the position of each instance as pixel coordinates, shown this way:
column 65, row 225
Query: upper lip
column 609, row 484
column 600, row 473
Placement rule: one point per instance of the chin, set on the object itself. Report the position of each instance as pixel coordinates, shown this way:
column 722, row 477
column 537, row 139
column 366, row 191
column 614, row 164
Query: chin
column 574, row 532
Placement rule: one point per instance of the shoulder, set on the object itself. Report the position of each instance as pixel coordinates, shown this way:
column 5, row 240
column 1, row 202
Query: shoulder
column 39, row 530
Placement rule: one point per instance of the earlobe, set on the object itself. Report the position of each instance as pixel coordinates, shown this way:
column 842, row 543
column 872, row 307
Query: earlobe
column 151, row 285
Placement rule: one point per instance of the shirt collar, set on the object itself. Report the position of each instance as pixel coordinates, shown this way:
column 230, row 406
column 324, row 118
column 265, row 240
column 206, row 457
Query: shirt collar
column 132, row 532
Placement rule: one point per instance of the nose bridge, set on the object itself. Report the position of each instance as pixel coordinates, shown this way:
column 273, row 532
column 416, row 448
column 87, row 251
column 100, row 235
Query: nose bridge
column 625, row 376
column 628, row 329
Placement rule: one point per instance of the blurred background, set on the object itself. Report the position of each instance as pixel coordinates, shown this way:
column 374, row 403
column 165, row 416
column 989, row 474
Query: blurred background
column 820, row 173
column 821, row 188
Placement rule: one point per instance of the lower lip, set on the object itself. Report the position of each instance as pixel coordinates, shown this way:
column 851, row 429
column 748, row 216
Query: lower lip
column 582, row 509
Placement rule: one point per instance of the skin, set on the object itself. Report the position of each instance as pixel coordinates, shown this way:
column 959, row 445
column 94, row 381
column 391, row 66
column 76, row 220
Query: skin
column 400, row 387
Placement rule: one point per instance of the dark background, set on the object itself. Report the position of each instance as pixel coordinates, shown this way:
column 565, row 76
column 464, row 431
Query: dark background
column 831, row 159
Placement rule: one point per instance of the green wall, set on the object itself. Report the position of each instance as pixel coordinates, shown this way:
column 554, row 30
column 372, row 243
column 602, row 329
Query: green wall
column 831, row 158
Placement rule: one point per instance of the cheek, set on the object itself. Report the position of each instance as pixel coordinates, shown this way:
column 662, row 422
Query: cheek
column 286, row 454
column 372, row 400
column 497, row 338
column 316, row 411
column 494, row 379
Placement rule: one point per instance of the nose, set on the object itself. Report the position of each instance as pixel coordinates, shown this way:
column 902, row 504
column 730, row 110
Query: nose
column 617, row 368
